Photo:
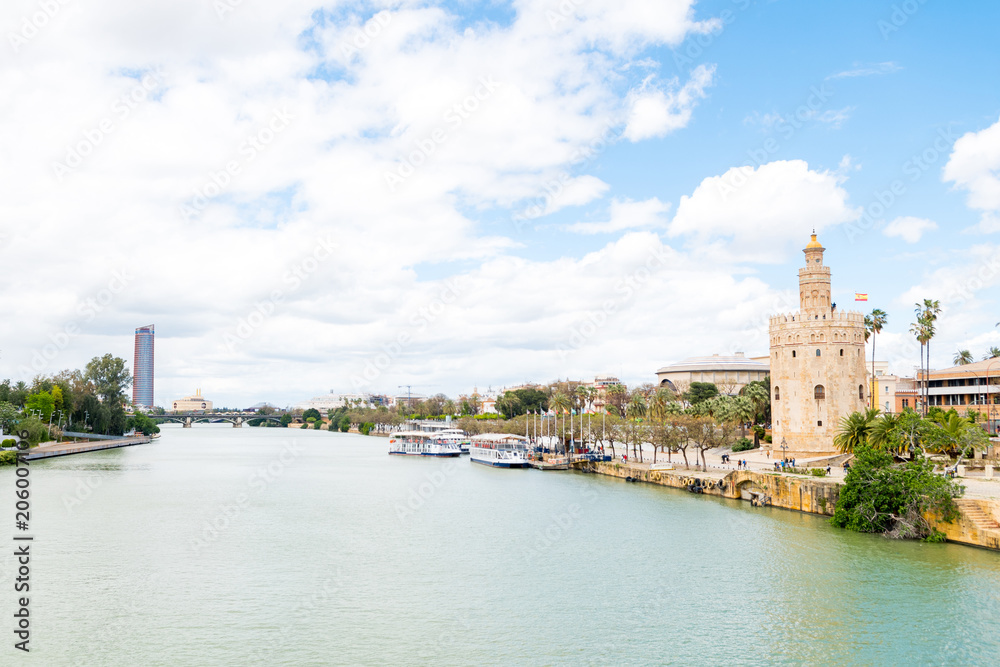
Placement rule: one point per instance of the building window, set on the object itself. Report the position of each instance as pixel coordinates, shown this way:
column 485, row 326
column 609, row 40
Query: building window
column 906, row 402
column 819, row 423
column 819, row 392
column 861, row 392
column 793, row 354
column 818, row 353
column 841, row 353
column 777, row 393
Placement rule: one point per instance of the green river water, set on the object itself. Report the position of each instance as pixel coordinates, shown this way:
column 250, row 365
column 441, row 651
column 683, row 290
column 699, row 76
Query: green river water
column 222, row 546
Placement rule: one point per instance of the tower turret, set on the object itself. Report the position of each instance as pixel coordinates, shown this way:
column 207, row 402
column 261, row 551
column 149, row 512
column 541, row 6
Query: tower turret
column 814, row 280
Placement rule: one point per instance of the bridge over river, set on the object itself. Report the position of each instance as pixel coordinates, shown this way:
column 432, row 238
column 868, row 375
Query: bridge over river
column 190, row 418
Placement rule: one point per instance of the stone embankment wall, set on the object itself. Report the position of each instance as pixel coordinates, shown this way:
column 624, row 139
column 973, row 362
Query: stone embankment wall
column 978, row 525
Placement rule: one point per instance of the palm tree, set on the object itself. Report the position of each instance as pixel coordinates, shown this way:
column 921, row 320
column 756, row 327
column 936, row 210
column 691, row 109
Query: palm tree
column 962, row 358
column 854, row 430
column 562, row 404
column 744, row 411
column 760, row 396
column 635, row 410
column 874, row 322
column 922, row 329
column 992, row 353
column 882, row 433
column 930, row 310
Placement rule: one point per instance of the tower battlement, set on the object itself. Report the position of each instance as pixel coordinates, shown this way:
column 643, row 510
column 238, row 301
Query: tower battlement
column 800, row 317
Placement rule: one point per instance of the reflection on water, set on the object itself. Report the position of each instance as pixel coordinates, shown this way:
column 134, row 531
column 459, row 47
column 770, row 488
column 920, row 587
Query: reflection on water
column 216, row 545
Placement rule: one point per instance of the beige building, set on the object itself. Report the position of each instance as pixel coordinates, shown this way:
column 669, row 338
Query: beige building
column 196, row 403
column 729, row 373
column 818, row 372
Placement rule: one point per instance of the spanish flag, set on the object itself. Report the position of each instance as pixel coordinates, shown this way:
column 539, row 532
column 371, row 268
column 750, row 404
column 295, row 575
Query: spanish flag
column 858, row 296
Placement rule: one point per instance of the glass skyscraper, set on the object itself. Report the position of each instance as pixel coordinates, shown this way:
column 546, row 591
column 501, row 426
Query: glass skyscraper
column 142, row 375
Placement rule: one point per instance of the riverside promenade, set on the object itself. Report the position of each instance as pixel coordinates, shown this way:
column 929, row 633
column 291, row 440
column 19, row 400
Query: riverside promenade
column 759, row 484
column 65, row 448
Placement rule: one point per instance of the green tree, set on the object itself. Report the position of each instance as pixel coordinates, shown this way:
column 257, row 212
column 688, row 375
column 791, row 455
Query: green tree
column 992, row 353
column 700, row 391
column 41, row 403
column 963, row 358
column 9, row 417
column 879, row 496
column 311, row 412
column 345, row 424
column 141, row 422
column 110, row 376
column 286, row 419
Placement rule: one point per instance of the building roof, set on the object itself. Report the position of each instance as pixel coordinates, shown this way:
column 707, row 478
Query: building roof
column 814, row 243
column 977, row 369
column 717, row 362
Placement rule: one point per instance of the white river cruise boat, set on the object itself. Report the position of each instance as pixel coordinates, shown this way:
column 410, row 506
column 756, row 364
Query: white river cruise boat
column 500, row 450
column 457, row 436
column 418, row 443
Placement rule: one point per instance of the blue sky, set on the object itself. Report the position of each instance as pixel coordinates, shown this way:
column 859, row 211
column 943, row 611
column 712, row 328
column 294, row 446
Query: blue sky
column 354, row 196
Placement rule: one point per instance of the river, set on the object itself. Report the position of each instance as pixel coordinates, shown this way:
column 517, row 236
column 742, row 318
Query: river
column 223, row 546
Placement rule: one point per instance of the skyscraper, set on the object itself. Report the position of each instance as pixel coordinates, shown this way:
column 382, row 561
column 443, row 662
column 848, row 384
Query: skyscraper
column 142, row 380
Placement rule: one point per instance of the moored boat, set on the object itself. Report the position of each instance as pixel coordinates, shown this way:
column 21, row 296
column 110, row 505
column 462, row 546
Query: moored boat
column 500, row 450
column 417, row 443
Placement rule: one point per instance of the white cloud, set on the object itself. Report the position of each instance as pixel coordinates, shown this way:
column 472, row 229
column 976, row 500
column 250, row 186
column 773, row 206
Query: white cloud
column 867, row 70
column 835, row 117
column 626, row 214
column 974, row 166
column 760, row 214
column 655, row 113
column 909, row 229
column 419, row 96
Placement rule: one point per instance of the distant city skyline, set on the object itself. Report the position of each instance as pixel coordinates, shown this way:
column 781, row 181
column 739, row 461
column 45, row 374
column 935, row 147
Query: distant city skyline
column 447, row 195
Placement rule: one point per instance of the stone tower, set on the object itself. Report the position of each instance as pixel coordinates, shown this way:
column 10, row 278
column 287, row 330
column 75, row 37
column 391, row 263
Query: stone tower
column 818, row 372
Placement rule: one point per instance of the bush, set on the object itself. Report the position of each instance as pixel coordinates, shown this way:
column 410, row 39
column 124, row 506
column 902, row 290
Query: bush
column 366, row 428
column 304, row 426
column 8, row 458
column 768, row 438
column 9, row 442
column 742, row 445
column 817, row 472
